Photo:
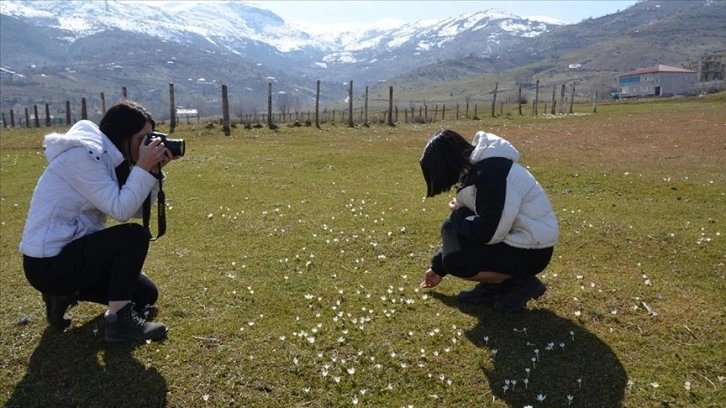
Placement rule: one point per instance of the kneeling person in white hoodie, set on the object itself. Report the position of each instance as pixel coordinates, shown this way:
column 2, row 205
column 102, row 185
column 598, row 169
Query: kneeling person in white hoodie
column 69, row 251
column 502, row 229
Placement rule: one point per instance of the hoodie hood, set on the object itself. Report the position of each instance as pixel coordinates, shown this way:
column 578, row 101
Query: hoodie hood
column 487, row 145
column 84, row 134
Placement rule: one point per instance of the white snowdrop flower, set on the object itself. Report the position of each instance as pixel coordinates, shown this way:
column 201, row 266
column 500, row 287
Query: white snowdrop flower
column 572, row 334
column 687, row 385
column 654, row 385
column 410, row 333
column 526, row 382
column 389, row 386
column 306, row 390
column 579, row 383
column 441, row 377
column 486, row 340
column 447, row 349
column 404, row 365
column 569, row 399
column 536, row 353
column 514, row 384
column 282, row 338
column 540, row 397
column 351, row 370
column 393, row 354
column 205, row 397
column 336, row 379
column 505, row 388
column 209, row 216
column 436, row 353
column 311, row 339
column 378, row 366
column 494, row 351
column 578, row 313
column 250, row 323
column 295, row 361
column 562, row 346
column 527, row 370
column 363, row 391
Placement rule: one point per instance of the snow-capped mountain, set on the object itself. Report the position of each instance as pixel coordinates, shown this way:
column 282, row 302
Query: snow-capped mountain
column 193, row 44
column 230, row 26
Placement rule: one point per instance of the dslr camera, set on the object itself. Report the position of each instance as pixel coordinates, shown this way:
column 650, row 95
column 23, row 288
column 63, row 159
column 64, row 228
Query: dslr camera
column 175, row 146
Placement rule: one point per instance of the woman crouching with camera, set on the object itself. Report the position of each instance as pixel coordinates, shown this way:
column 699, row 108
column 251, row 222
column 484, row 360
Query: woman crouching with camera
column 69, row 251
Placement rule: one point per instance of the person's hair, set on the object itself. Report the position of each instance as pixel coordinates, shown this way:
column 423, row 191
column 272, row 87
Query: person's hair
column 445, row 159
column 119, row 123
column 124, row 120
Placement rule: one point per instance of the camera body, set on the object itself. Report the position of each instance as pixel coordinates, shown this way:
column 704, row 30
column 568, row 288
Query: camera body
column 175, row 146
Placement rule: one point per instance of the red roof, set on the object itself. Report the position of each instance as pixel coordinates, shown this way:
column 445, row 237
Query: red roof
column 656, row 68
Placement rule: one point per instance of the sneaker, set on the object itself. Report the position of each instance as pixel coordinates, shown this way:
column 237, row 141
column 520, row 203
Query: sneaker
column 56, row 307
column 483, row 293
column 520, row 292
column 126, row 325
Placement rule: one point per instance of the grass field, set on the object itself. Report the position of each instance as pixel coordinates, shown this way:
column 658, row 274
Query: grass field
column 289, row 274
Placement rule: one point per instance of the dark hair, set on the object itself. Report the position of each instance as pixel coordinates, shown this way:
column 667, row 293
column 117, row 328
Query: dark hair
column 119, row 123
column 124, row 120
column 445, row 159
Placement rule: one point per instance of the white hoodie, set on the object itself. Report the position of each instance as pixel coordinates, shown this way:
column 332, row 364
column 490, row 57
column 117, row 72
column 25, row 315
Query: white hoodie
column 527, row 220
column 79, row 189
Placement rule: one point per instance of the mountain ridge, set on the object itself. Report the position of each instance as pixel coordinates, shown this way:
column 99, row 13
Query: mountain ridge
column 61, row 42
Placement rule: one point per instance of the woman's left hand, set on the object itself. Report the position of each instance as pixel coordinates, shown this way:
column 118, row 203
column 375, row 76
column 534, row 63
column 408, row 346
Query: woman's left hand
column 431, row 279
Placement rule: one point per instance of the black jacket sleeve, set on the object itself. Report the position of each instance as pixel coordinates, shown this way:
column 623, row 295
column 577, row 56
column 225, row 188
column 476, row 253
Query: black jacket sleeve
column 490, row 178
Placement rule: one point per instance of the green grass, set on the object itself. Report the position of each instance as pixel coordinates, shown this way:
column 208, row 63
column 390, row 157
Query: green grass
column 289, row 274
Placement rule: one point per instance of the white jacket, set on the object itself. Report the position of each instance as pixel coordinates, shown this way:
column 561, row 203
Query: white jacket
column 527, row 219
column 78, row 189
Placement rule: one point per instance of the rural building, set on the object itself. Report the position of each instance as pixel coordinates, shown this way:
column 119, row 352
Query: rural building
column 658, row 80
column 711, row 73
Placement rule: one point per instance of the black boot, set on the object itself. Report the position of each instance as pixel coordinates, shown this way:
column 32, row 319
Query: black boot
column 520, row 292
column 126, row 325
column 483, row 293
column 56, row 307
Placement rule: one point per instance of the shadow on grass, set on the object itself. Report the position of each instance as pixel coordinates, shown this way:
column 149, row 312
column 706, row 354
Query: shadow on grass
column 76, row 368
column 570, row 363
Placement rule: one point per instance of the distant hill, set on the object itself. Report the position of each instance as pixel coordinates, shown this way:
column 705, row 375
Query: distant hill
column 246, row 48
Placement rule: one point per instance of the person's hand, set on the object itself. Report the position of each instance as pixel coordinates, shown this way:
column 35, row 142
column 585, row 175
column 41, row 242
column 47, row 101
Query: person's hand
column 431, row 279
column 152, row 155
column 453, row 204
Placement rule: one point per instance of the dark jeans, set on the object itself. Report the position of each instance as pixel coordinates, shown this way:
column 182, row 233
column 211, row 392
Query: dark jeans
column 103, row 266
column 465, row 258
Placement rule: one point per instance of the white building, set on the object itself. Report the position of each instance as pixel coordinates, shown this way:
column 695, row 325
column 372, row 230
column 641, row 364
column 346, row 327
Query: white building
column 658, row 80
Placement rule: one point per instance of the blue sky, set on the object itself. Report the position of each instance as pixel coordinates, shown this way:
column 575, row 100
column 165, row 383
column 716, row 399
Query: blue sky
column 330, row 12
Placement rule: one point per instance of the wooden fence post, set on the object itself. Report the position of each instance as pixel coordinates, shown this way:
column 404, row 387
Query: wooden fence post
column 172, row 110
column 390, row 106
column 365, row 109
column 317, row 104
column 36, row 120
column 443, row 113
column 269, row 106
column 124, row 93
column 594, row 103
column 103, row 104
column 536, row 99
column 84, row 111
column 562, row 100
column 572, row 98
column 225, row 111
column 47, row 115
column 494, row 101
column 519, row 99
column 5, row 123
column 554, row 101
column 350, row 104
column 68, row 113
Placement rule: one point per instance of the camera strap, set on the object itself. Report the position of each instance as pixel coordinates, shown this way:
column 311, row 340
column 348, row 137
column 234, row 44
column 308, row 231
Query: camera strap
column 161, row 207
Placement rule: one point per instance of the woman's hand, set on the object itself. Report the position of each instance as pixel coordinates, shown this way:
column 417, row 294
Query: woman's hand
column 152, row 155
column 431, row 279
column 453, row 204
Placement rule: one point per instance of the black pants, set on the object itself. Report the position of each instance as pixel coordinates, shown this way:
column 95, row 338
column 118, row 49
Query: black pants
column 465, row 258
column 103, row 266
